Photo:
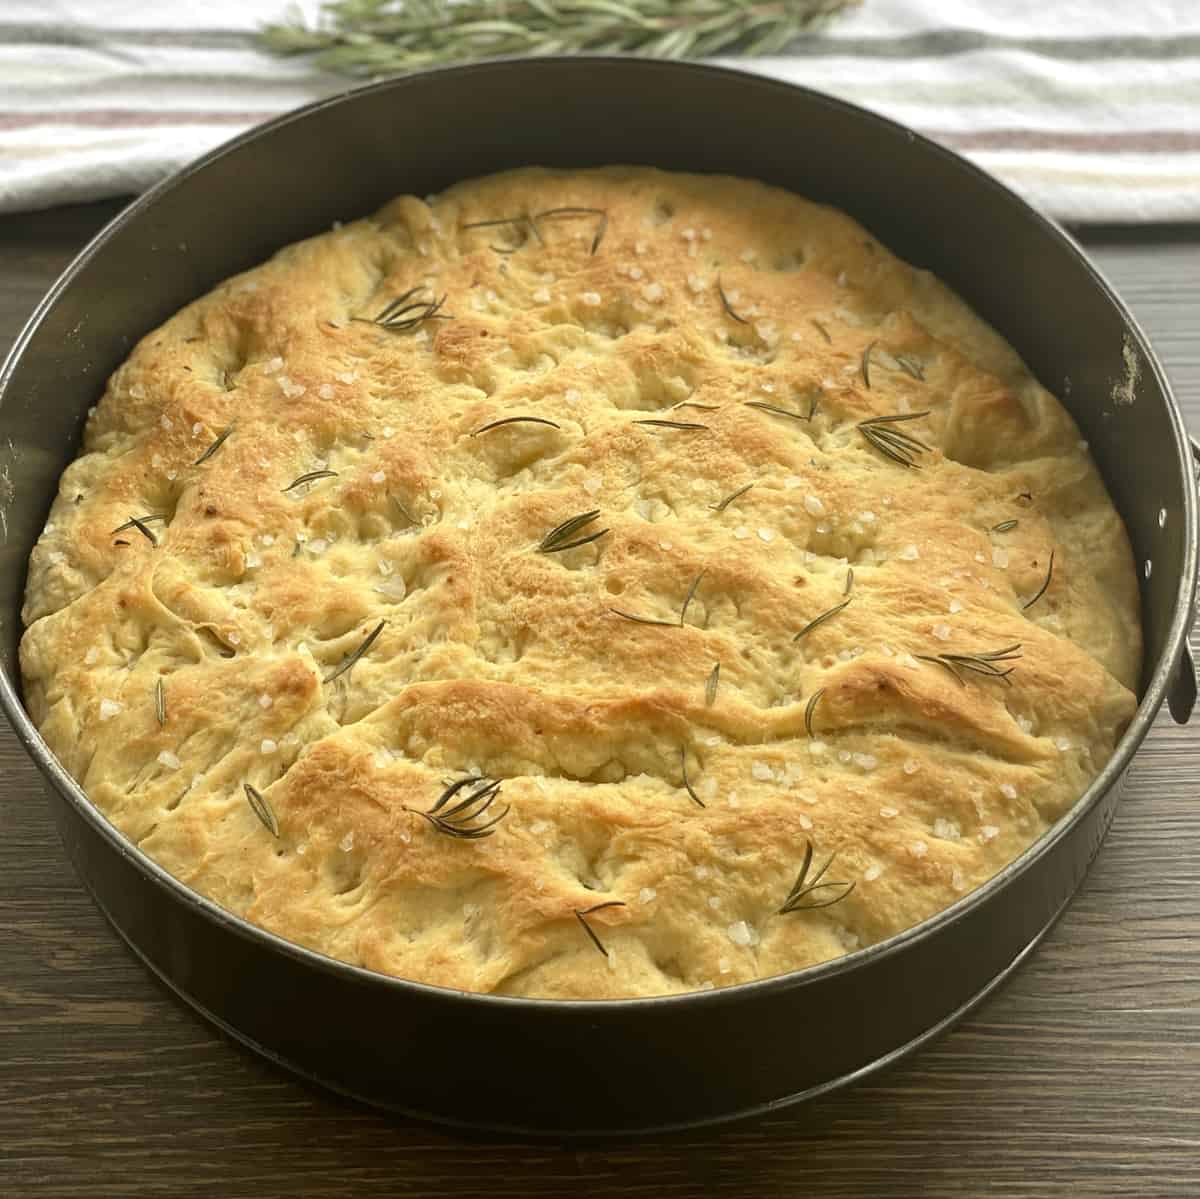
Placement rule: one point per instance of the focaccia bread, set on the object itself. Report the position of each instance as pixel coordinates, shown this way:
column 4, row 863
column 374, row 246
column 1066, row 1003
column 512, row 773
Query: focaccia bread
column 393, row 623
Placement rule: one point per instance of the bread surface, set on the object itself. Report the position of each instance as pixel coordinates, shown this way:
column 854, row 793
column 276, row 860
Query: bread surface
column 225, row 638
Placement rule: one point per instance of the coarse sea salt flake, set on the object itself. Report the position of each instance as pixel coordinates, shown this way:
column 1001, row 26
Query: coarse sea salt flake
column 714, row 902
column 740, row 933
column 1008, row 791
column 653, row 292
column 761, row 771
column 1062, row 744
column 91, row 657
column 169, row 760
column 947, row 830
column 766, row 534
column 741, row 532
column 542, row 295
column 378, row 477
column 109, row 708
column 346, row 844
column 701, row 873
column 909, row 553
column 647, row 895
column 988, row 832
column 889, row 813
column 942, row 632
column 918, row 849
column 268, row 746
column 872, row 873
column 325, row 391
column 804, row 821
column 591, row 298
column 911, row 766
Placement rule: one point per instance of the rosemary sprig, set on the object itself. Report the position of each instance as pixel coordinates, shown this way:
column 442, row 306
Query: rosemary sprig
column 587, row 928
column 459, row 819
column 671, row 424
column 387, row 37
column 820, row 620
column 820, row 328
column 710, row 688
column 515, row 420
column 984, row 663
column 689, row 597
column 729, row 309
column 866, row 364
column 139, row 523
column 741, row 491
column 894, row 443
column 311, row 477
column 560, row 537
column 261, row 808
column 776, row 410
column 406, row 312
column 216, row 445
column 1042, row 589
column 810, row 710
column 350, row 659
column 530, row 222
column 160, row 702
column 136, row 522
column 803, row 889
column 687, row 786
column 1005, row 526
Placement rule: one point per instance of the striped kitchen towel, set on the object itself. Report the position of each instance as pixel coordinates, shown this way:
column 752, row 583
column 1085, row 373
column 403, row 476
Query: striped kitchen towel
column 1090, row 108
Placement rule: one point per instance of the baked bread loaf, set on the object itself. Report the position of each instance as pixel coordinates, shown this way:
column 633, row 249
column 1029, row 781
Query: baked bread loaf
column 518, row 590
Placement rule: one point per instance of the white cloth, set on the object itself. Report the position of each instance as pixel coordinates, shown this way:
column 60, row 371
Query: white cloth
column 1090, row 108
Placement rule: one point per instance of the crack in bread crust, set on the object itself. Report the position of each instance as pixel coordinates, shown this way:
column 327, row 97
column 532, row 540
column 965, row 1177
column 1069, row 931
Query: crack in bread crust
column 699, row 381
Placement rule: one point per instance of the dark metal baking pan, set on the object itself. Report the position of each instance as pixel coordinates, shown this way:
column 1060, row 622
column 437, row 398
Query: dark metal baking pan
column 618, row 1066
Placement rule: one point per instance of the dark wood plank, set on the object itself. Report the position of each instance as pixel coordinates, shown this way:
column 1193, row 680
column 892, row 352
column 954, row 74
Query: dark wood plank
column 1079, row 1076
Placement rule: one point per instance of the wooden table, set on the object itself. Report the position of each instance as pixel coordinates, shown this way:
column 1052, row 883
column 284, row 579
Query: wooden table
column 1081, row 1075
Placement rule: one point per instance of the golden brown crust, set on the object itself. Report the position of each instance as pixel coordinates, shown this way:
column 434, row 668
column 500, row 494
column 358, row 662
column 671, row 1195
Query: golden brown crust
column 245, row 598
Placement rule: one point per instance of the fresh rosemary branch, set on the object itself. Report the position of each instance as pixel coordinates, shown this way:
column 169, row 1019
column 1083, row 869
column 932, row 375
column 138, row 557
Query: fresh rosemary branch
column 350, row 659
column 587, row 928
column 560, row 537
column 799, row 898
column 261, row 808
column 311, row 477
column 984, row 663
column 216, row 445
column 389, row 37
column 729, row 311
column 406, row 312
column 458, row 820
column 820, row 620
column 160, row 702
column 710, row 688
column 687, row 786
column 893, row 443
column 516, row 420
column 741, row 491
column 1042, row 589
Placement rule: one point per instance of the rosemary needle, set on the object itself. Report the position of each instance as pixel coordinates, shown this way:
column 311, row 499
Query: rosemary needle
column 686, row 783
column 775, row 410
column 820, row 328
column 160, row 702
column 670, row 624
column 810, row 709
column 690, row 596
column 671, row 424
column 820, row 620
column 216, row 445
column 729, row 310
column 1042, row 589
column 1005, row 526
column 730, row 498
column 587, row 928
column 261, row 808
column 710, row 688
column 866, row 364
column 560, row 537
column 804, row 887
column 514, row 420
column 350, row 659
column 849, row 581
column 134, row 521
column 311, row 477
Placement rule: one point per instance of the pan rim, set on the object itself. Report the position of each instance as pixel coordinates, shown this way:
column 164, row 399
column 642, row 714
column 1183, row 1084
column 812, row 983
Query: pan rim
column 1153, row 696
